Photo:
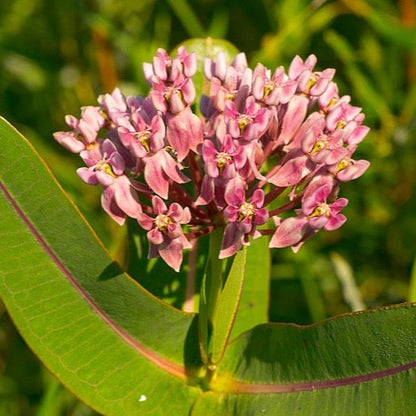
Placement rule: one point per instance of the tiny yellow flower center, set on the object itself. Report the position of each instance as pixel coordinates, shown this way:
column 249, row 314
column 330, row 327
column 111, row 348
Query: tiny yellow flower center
column 144, row 138
column 243, row 122
column 161, row 222
column 170, row 92
column 311, row 83
column 106, row 117
column 105, row 167
column 230, row 96
column 246, row 210
column 91, row 146
column 268, row 88
column 322, row 209
column 318, row 146
column 342, row 165
column 172, row 152
column 341, row 124
column 332, row 102
column 222, row 159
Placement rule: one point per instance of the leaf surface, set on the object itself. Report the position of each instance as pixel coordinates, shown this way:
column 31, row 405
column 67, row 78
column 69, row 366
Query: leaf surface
column 254, row 302
column 105, row 337
column 358, row 364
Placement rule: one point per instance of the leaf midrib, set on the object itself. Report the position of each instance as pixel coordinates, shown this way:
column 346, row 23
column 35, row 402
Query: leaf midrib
column 163, row 363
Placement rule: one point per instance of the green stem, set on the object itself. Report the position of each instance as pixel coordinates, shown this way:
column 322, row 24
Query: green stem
column 220, row 297
column 210, row 292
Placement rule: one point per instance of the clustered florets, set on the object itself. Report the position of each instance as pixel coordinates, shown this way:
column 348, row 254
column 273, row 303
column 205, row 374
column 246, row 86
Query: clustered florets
column 262, row 138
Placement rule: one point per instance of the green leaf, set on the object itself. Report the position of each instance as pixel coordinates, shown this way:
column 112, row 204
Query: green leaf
column 357, row 364
column 220, row 297
column 254, row 302
column 227, row 306
column 114, row 345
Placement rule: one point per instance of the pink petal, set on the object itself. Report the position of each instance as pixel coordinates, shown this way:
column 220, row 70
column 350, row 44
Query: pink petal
column 126, row 197
column 335, row 222
column 184, row 132
column 292, row 172
column 159, row 207
column 104, row 178
column 289, row 232
column 174, row 231
column 156, row 178
column 232, row 240
column 261, row 216
column 170, row 167
column 145, row 221
column 293, row 118
column 110, row 207
column 88, row 176
column 258, row 198
column 172, row 254
column 207, row 191
column 69, row 141
column 155, row 236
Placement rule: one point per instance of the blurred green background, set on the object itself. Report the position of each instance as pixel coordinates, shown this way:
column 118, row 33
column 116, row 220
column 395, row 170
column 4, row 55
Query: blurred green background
column 58, row 56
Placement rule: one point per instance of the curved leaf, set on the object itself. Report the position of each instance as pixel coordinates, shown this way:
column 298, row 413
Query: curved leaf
column 254, row 302
column 358, row 364
column 113, row 344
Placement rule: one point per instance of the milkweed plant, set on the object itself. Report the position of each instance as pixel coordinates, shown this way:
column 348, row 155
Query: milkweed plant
column 255, row 153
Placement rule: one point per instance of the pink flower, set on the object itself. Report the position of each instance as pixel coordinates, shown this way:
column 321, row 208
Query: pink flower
column 228, row 82
column 316, row 213
column 173, row 89
column 119, row 198
column 278, row 89
column 267, row 145
column 165, row 235
column 84, row 131
column 113, row 106
column 248, row 125
column 155, row 158
column 223, row 161
column 348, row 169
column 311, row 83
column 242, row 219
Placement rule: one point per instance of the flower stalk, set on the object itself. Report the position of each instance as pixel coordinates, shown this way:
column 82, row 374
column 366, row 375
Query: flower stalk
column 220, row 297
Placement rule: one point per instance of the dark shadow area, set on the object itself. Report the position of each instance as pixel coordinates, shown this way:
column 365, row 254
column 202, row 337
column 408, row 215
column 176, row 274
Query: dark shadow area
column 110, row 271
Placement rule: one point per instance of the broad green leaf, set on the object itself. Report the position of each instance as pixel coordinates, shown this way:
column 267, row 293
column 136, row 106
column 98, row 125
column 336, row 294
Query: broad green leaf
column 114, row 345
column 254, row 302
column 356, row 364
column 227, row 306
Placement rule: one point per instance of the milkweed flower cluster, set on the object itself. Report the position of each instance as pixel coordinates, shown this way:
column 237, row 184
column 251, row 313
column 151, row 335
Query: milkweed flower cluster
column 265, row 157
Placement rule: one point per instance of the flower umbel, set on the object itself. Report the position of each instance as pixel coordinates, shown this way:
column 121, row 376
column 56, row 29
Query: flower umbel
column 269, row 145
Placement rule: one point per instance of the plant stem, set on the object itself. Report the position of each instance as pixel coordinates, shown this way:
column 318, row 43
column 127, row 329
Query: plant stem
column 210, row 293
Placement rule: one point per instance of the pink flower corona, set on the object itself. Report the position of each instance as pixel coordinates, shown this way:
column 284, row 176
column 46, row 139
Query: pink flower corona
column 266, row 157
